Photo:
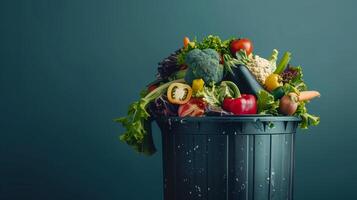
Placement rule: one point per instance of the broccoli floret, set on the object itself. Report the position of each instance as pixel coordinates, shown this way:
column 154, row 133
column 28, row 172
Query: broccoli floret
column 212, row 53
column 203, row 64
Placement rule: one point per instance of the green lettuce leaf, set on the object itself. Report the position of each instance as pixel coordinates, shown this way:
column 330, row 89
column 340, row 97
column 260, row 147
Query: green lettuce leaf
column 267, row 104
column 216, row 94
column 306, row 118
column 137, row 123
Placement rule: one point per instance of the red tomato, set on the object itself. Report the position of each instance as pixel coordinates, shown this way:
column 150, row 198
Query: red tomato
column 195, row 107
column 241, row 44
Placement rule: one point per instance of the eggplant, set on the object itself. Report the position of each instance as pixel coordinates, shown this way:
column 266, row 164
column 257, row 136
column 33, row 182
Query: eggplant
column 245, row 80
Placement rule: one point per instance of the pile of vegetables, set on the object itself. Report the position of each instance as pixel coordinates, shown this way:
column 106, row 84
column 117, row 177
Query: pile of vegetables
column 218, row 78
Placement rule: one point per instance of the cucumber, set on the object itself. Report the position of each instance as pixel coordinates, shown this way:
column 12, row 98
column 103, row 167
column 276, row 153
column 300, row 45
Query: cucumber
column 278, row 92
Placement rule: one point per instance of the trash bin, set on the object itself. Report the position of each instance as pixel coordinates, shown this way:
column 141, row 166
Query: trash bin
column 228, row 158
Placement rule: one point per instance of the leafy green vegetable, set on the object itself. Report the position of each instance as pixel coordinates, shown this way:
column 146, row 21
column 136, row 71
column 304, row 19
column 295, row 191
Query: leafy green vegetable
column 241, row 59
column 135, row 122
column 266, row 103
column 228, row 89
column 306, row 118
column 297, row 79
column 212, row 42
column 216, row 94
column 144, row 92
column 229, row 63
column 209, row 95
column 288, row 88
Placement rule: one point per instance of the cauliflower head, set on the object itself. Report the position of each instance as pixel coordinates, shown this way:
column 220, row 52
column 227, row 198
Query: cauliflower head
column 203, row 64
column 260, row 67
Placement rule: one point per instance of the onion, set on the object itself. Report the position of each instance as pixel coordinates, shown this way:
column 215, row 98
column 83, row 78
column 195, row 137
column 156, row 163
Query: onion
column 288, row 104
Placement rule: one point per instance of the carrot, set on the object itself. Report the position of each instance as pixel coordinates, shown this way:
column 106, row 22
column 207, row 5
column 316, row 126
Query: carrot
column 186, row 41
column 307, row 95
column 289, row 103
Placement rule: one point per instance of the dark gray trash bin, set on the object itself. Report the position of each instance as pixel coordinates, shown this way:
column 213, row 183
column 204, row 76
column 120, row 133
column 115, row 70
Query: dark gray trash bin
column 228, row 158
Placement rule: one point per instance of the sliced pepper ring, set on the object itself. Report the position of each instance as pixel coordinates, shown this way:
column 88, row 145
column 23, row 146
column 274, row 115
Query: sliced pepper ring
column 179, row 93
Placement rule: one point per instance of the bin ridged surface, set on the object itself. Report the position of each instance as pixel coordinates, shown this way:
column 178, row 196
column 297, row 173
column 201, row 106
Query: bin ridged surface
column 228, row 158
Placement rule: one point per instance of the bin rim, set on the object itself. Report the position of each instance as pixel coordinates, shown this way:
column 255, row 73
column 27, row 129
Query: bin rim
column 234, row 118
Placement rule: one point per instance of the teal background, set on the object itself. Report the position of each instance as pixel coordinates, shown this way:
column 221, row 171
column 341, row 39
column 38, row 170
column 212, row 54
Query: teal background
column 68, row 67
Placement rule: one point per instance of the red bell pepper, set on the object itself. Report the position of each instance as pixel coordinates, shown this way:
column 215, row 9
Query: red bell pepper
column 246, row 104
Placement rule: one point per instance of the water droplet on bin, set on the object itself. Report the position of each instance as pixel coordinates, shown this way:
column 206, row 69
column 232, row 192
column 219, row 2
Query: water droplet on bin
column 189, row 161
column 242, row 187
column 224, row 176
column 237, row 179
column 198, row 188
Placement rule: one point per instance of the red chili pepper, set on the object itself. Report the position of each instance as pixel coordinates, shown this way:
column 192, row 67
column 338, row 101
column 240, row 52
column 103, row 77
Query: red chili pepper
column 246, row 104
